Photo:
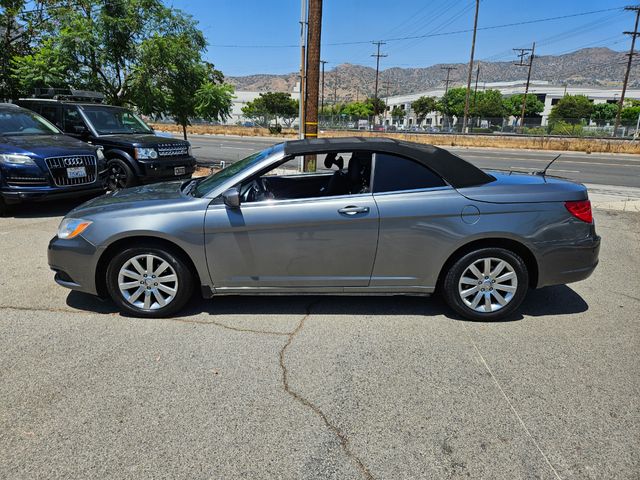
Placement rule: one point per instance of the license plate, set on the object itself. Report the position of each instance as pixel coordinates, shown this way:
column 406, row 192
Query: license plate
column 76, row 172
column 179, row 170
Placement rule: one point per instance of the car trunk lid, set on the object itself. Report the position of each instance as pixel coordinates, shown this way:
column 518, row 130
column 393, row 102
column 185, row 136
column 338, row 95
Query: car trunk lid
column 511, row 187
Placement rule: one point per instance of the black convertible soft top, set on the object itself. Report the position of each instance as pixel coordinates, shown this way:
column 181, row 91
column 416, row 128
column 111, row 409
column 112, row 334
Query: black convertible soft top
column 456, row 171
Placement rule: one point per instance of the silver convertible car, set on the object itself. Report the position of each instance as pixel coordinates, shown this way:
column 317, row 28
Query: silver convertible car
column 383, row 217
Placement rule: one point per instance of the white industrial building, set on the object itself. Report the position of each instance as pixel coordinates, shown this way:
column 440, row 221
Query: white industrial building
column 547, row 93
column 241, row 98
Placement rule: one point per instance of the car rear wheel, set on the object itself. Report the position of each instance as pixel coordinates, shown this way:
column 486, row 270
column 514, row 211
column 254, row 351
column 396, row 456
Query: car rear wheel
column 486, row 284
column 120, row 175
column 149, row 282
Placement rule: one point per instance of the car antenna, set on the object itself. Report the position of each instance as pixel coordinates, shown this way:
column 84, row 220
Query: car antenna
column 544, row 172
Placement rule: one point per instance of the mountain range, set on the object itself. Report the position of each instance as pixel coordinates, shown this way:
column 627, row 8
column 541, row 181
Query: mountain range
column 600, row 66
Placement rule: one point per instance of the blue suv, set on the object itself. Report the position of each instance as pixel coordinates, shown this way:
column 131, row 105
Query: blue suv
column 38, row 162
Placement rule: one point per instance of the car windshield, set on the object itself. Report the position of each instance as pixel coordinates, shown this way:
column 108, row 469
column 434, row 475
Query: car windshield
column 107, row 120
column 23, row 122
column 212, row 181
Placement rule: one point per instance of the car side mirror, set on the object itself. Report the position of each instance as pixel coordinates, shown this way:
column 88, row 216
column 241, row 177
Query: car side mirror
column 80, row 129
column 231, row 198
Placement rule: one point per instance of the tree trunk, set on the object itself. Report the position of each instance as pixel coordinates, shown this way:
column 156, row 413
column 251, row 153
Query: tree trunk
column 184, row 130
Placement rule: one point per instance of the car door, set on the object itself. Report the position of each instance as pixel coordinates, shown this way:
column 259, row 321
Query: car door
column 320, row 243
column 420, row 217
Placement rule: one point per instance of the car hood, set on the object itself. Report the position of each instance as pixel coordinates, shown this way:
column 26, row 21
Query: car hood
column 157, row 195
column 509, row 187
column 140, row 139
column 44, row 145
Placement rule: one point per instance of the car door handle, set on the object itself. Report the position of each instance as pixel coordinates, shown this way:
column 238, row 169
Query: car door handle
column 353, row 210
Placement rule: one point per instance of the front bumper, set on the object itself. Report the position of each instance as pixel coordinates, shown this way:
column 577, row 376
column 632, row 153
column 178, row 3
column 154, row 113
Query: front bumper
column 74, row 263
column 13, row 195
column 562, row 264
column 165, row 168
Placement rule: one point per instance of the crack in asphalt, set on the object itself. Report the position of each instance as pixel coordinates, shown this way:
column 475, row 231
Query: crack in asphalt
column 511, row 406
column 179, row 320
column 344, row 441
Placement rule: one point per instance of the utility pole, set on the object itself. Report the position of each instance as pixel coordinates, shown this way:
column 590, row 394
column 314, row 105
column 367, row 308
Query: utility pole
column 633, row 34
column 303, row 63
column 473, row 49
column 446, row 90
column 475, row 89
column 314, row 31
column 323, row 63
column 528, row 53
column 335, row 86
column 378, row 55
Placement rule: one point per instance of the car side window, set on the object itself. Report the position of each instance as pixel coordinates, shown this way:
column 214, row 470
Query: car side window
column 51, row 113
column 337, row 174
column 72, row 119
column 393, row 173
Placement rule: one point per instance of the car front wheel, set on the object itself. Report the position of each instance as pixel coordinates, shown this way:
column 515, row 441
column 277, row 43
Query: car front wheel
column 486, row 284
column 149, row 282
column 119, row 175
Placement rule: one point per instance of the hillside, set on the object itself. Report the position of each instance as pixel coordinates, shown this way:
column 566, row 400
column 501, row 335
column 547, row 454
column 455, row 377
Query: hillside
column 586, row 67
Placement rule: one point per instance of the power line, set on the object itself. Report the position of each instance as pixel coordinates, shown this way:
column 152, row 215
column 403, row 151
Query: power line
column 491, row 27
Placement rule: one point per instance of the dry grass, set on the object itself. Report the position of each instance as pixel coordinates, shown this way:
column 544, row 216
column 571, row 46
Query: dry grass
column 492, row 141
column 224, row 130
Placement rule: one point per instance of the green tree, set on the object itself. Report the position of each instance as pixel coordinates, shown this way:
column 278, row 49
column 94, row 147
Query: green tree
column 357, row 109
column 488, row 104
column 377, row 105
column 173, row 80
column 423, row 106
column 604, row 112
column 397, row 113
column 513, row 105
column 452, row 103
column 629, row 115
column 271, row 105
column 103, row 45
column 572, row 109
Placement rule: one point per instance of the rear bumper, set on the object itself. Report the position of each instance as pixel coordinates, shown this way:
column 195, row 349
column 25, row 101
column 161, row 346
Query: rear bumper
column 568, row 263
column 74, row 263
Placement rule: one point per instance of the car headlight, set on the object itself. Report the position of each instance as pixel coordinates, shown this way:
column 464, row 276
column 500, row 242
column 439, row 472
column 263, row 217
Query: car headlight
column 146, row 153
column 100, row 154
column 16, row 159
column 72, row 227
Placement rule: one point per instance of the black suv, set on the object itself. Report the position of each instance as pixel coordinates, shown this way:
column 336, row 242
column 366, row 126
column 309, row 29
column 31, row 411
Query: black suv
column 134, row 153
column 38, row 162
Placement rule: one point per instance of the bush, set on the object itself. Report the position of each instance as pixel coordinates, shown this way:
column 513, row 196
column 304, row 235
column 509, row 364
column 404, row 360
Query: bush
column 565, row 128
column 277, row 129
column 535, row 131
column 481, row 130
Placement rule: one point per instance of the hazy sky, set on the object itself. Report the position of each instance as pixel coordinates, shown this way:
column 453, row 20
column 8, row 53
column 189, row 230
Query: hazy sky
column 260, row 36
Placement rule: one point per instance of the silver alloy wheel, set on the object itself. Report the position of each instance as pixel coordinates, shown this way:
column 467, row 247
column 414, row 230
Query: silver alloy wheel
column 488, row 285
column 148, row 282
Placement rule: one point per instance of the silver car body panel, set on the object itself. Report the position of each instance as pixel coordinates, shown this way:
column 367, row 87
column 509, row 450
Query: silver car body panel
column 397, row 244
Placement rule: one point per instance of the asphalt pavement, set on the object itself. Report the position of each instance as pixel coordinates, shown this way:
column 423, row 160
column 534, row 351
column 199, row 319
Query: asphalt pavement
column 595, row 168
column 318, row 387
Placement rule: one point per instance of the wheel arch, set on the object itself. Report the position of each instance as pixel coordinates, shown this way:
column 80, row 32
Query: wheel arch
column 125, row 157
column 515, row 246
column 137, row 241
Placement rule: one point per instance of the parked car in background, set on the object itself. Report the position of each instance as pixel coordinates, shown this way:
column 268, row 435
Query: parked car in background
column 39, row 162
column 134, row 153
column 393, row 217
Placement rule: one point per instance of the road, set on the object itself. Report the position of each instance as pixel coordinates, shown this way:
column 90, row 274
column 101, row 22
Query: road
column 321, row 387
column 596, row 168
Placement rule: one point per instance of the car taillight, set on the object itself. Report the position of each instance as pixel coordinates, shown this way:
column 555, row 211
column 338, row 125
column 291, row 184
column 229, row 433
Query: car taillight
column 580, row 209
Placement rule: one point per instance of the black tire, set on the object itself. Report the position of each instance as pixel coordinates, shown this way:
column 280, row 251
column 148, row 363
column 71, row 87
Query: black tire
column 183, row 285
column 119, row 175
column 4, row 208
column 451, row 289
